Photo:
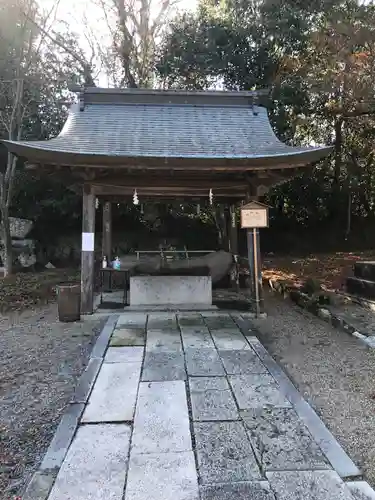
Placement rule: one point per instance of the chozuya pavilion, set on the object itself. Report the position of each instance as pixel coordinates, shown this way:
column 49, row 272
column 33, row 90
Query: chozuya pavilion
column 164, row 145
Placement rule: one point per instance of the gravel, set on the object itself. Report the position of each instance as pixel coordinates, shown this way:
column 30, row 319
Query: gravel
column 40, row 363
column 42, row 360
column 333, row 370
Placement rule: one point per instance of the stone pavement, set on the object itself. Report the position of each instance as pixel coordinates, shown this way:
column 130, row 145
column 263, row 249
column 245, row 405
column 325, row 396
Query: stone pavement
column 188, row 407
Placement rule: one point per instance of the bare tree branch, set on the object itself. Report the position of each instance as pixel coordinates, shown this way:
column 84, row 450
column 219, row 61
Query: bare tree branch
column 134, row 27
column 56, row 39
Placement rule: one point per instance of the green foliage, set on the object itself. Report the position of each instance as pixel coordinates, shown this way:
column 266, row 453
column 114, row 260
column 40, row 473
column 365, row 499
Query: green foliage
column 318, row 59
column 45, row 69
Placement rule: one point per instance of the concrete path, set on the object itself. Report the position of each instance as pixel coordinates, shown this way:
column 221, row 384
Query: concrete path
column 191, row 407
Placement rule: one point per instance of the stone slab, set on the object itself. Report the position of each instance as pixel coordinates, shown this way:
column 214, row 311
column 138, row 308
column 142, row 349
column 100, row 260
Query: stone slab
column 124, row 355
column 255, row 490
column 163, row 340
column 224, row 453
column 212, row 313
column 370, row 341
column 86, row 381
column 281, row 441
column 167, row 476
column 95, row 466
column 114, row 395
column 219, row 321
column 62, row 438
column 194, row 332
column 308, row 485
column 238, row 362
column 244, row 324
column 174, row 307
column 132, row 319
column 190, row 320
column 197, row 338
column 128, row 337
column 257, row 390
column 212, row 399
column 365, row 270
column 160, row 290
column 39, row 486
column 161, row 423
column 361, row 287
column 103, row 339
column 162, row 320
column 160, row 366
column 229, row 339
column 203, row 363
column 361, row 490
column 339, row 460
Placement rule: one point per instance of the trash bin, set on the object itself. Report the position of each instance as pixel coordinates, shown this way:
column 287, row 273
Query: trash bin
column 69, row 302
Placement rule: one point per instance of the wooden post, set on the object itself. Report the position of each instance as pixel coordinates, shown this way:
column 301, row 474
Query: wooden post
column 88, row 247
column 233, row 230
column 233, row 247
column 107, row 244
column 226, row 224
column 220, row 217
column 107, row 231
column 255, row 267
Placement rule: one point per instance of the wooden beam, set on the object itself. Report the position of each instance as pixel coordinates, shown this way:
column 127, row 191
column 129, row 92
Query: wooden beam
column 167, row 192
column 182, row 166
column 128, row 199
column 179, row 182
column 88, row 247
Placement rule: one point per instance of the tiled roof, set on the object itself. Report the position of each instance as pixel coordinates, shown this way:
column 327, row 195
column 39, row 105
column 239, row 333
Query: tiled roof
column 165, row 130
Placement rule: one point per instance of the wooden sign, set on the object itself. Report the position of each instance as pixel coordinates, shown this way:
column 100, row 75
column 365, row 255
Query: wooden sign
column 254, row 215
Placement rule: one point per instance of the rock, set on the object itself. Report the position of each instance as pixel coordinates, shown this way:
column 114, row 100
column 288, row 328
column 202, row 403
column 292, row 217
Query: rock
column 215, row 264
column 324, row 314
column 27, row 260
column 219, row 264
column 22, row 244
column 19, row 228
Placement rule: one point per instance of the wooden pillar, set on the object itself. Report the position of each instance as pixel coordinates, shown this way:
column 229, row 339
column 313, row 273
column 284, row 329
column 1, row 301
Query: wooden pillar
column 226, row 216
column 233, row 247
column 107, row 244
column 221, row 220
column 233, row 230
column 107, row 231
column 88, row 247
column 255, row 264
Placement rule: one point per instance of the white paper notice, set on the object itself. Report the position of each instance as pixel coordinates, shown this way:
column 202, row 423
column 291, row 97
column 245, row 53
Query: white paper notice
column 88, row 242
column 252, row 218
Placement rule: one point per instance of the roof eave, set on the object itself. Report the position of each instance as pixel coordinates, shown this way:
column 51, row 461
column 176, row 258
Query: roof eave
column 37, row 155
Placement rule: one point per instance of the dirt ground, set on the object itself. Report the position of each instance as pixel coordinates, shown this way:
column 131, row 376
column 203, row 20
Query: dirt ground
column 41, row 360
column 330, row 269
column 333, row 371
column 25, row 290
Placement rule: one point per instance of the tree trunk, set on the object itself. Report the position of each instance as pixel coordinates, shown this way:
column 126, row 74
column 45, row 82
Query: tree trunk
column 349, row 216
column 7, row 251
column 338, row 150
